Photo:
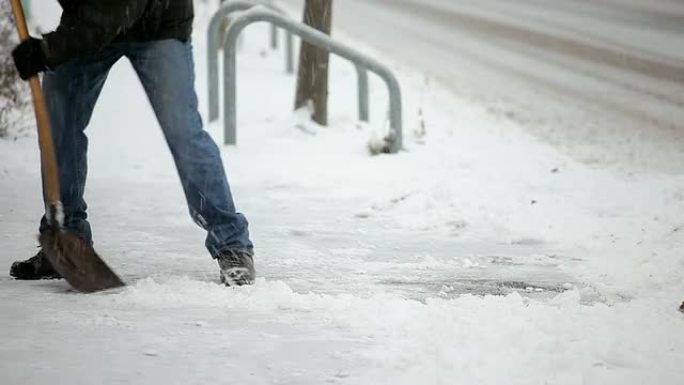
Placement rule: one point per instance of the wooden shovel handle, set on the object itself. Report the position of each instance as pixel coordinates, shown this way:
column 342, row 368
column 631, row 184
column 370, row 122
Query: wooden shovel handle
column 47, row 147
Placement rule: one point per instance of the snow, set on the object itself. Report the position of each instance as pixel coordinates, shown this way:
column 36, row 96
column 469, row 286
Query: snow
column 480, row 254
column 539, row 71
column 613, row 25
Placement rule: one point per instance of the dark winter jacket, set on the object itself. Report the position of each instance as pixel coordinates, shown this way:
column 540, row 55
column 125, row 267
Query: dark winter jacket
column 87, row 26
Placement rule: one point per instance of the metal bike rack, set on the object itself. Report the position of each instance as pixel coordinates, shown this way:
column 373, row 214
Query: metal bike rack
column 274, row 29
column 213, row 47
column 362, row 78
column 315, row 37
column 213, row 34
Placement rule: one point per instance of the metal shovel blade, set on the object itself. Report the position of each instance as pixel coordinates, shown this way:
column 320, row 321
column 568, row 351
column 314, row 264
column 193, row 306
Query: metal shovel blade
column 77, row 261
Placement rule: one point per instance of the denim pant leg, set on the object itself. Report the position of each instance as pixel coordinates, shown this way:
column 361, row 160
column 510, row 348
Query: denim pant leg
column 71, row 91
column 166, row 70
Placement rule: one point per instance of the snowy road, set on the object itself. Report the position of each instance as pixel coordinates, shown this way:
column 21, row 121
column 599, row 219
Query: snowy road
column 601, row 80
column 365, row 262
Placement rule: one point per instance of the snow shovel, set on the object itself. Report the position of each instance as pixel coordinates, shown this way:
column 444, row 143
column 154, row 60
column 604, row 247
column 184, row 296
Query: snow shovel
column 68, row 253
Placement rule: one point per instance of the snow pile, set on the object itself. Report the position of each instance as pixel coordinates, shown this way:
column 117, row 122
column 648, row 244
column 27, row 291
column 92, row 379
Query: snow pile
column 470, row 339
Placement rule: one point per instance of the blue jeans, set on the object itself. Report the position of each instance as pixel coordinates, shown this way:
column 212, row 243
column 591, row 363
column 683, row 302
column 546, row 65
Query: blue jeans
column 166, row 70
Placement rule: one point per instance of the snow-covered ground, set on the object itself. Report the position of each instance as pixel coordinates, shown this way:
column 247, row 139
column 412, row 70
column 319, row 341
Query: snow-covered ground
column 479, row 255
column 601, row 80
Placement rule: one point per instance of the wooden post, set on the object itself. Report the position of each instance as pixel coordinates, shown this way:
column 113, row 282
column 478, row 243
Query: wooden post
column 312, row 77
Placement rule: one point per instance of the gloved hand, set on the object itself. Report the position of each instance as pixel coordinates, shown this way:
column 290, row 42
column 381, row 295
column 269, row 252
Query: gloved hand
column 29, row 58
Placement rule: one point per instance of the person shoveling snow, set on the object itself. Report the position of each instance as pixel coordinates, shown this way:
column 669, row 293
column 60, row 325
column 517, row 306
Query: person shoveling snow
column 76, row 58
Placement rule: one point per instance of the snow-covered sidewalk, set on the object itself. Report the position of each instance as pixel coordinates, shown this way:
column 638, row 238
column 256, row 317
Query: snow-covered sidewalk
column 365, row 263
